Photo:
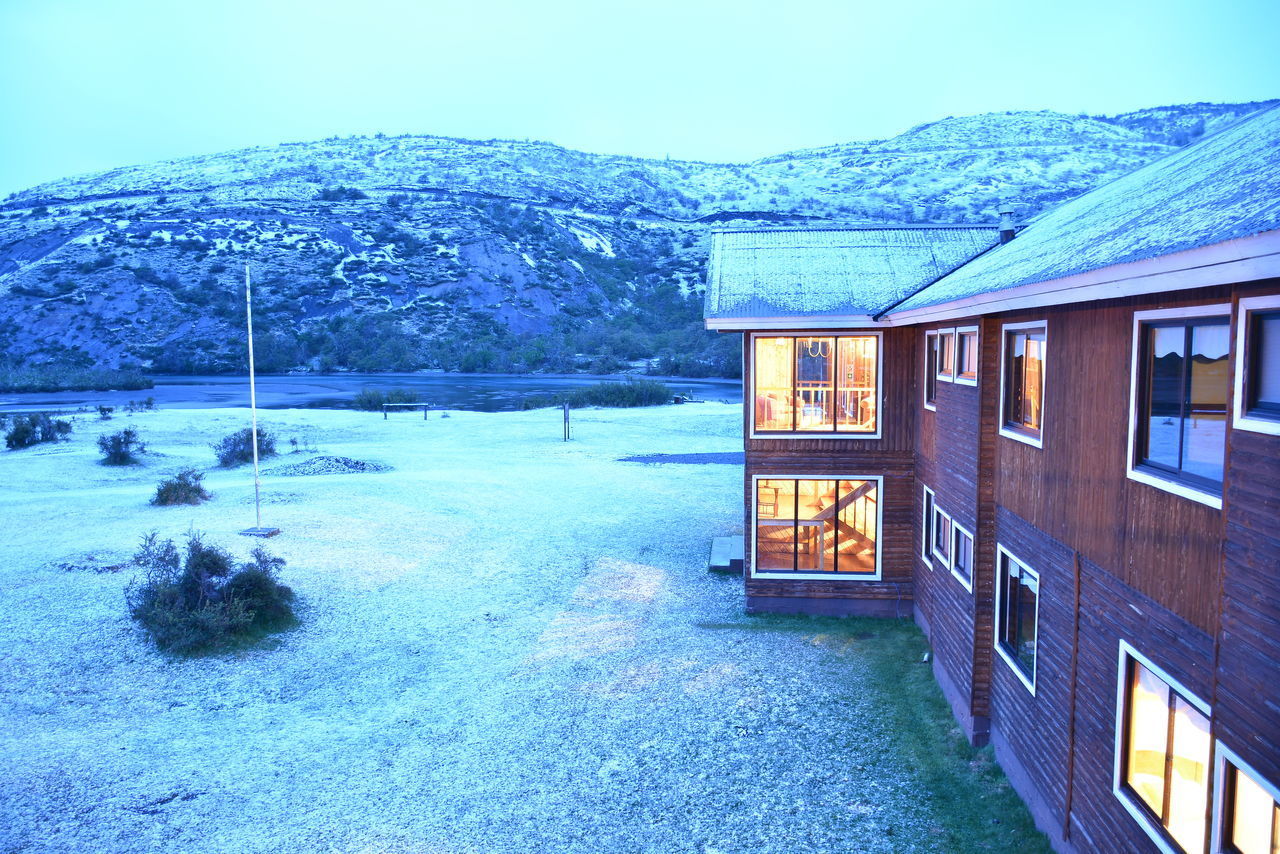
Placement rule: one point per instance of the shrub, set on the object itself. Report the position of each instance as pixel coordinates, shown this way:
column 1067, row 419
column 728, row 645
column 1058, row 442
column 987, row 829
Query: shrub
column 633, row 392
column 28, row 430
column 104, row 412
column 372, row 398
column 183, row 488
column 238, row 447
column 121, row 449
column 203, row 601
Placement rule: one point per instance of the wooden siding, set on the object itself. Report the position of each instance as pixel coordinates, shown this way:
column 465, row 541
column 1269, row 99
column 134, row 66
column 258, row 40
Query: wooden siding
column 1166, row 546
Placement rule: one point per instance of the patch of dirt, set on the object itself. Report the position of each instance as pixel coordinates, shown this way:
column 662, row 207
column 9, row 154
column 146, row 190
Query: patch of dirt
column 329, row 465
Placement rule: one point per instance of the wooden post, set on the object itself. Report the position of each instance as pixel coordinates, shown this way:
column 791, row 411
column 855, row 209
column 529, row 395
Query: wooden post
column 253, row 401
column 566, row 421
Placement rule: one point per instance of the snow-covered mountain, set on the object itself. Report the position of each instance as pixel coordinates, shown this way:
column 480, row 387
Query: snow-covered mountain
column 419, row 251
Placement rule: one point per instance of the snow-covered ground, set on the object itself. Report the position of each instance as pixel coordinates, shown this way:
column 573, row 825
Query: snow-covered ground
column 508, row 643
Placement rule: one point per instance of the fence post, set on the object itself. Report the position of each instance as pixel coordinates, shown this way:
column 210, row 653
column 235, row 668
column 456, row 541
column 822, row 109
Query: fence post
column 566, row 421
column 384, row 412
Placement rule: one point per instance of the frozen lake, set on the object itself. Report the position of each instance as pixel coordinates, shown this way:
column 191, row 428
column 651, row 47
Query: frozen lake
column 475, row 392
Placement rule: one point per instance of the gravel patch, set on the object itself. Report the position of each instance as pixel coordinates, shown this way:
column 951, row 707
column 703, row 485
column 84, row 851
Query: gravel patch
column 328, row 465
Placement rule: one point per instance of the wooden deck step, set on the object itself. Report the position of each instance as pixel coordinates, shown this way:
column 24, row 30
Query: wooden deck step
column 726, row 554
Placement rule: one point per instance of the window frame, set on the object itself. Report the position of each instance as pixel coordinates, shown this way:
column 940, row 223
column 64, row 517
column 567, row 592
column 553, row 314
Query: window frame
column 818, row 576
column 946, row 373
column 1242, row 417
column 1222, row 756
column 938, row 512
column 929, row 500
column 930, row 370
column 1129, row 799
column 749, row 393
column 1028, row 680
column 1133, row 468
column 957, row 531
column 1026, row 436
column 961, row 332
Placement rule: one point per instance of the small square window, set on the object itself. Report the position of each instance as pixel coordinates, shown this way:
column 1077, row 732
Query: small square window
column 1249, row 813
column 926, row 528
column 1017, row 615
column 962, row 556
column 941, row 536
column 946, row 354
column 1257, row 395
column 967, row 355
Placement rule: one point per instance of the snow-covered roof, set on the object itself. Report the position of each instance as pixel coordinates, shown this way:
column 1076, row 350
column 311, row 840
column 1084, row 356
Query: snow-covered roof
column 850, row 272
column 1224, row 187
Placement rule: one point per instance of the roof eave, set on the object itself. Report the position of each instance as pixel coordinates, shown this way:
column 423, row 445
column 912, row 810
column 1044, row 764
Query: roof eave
column 1243, row 259
column 821, row 321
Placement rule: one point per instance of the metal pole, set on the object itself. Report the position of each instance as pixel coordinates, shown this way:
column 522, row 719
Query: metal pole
column 253, row 399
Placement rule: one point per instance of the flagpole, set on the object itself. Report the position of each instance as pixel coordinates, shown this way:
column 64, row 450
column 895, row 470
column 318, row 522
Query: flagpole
column 253, row 400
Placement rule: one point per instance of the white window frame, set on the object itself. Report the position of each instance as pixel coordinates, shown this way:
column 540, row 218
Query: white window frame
column 977, row 344
column 1029, row 684
column 1223, row 755
column 1127, row 651
column 749, row 394
column 820, row 576
column 1150, row 478
column 950, row 376
column 924, row 387
column 1007, row 432
column 1241, row 420
column 967, row 583
column 945, row 560
column 929, row 500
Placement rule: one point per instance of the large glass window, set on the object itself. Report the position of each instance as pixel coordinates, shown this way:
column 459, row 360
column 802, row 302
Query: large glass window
column 816, row 384
column 1024, row 358
column 1165, row 755
column 1182, row 411
column 817, row 526
column 1251, row 816
column 1016, row 614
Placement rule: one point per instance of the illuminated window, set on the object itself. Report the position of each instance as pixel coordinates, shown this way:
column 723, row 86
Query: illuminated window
column 926, row 528
column 1181, row 414
column 1164, row 758
column 967, row 355
column 817, row 526
column 930, row 369
column 1024, row 357
column 946, row 354
column 1017, row 605
column 962, row 556
column 816, row 384
column 1250, row 814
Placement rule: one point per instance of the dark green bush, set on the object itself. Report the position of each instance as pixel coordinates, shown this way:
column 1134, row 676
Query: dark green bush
column 371, row 399
column 104, row 412
column 183, row 488
column 28, row 430
column 203, row 601
column 238, row 447
column 121, row 449
column 633, row 392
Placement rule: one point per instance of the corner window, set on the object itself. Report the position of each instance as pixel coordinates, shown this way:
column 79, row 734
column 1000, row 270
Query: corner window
column 941, row 536
column 967, row 355
column 1017, row 606
column 946, row 354
column 1023, row 382
column 1163, row 757
column 1258, row 373
column 1182, row 373
column 930, row 369
column 1248, row 811
column 817, row 384
column 817, row 527
column 962, row 556
column 926, row 528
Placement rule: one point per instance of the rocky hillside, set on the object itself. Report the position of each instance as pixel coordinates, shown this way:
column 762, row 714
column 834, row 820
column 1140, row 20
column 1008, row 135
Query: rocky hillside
column 394, row 253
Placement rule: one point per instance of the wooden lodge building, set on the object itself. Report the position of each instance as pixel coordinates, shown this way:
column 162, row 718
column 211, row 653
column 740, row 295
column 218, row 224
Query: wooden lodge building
column 1060, row 451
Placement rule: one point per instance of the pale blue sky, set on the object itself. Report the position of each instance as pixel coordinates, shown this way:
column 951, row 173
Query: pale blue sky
column 94, row 84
